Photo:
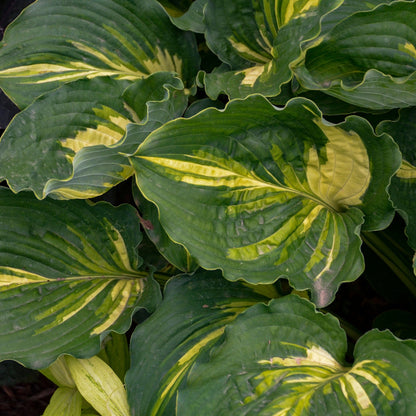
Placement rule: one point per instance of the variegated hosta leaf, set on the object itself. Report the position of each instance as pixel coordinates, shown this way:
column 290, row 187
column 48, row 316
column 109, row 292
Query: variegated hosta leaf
column 54, row 42
column 258, row 40
column 287, row 359
column 403, row 186
column 368, row 59
column 68, row 143
column 68, row 275
column 191, row 318
column 99, row 385
column 264, row 193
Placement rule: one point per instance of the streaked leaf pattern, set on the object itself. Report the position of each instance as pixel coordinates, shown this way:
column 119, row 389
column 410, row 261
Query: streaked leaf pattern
column 288, row 359
column 191, row 319
column 123, row 39
column 99, row 385
column 69, row 143
column 258, row 41
column 68, row 274
column 367, row 59
column 264, row 193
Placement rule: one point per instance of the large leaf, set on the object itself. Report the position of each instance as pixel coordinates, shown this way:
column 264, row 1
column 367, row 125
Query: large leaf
column 287, row 359
column 68, row 275
column 258, row 40
column 190, row 320
column 264, row 193
column 403, row 187
column 54, row 42
column 68, row 143
column 368, row 59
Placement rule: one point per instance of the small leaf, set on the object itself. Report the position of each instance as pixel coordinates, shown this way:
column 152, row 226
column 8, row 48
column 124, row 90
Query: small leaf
column 68, row 41
column 265, row 193
column 286, row 359
column 68, row 275
column 99, row 385
column 191, row 318
column 64, row 402
column 175, row 253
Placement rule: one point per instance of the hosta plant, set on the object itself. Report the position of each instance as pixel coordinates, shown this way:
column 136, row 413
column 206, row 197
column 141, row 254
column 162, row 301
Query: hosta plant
column 266, row 151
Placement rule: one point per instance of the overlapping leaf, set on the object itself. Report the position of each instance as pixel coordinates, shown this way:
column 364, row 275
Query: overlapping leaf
column 176, row 254
column 191, row 318
column 68, row 275
column 287, row 359
column 367, row 59
column 54, row 42
column 258, row 40
column 264, row 193
column 403, row 187
column 68, row 143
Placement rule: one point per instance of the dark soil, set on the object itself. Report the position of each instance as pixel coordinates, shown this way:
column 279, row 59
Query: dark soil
column 28, row 399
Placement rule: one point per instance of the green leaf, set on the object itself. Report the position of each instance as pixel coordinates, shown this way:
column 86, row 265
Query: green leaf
column 99, row 385
column 64, row 402
column 174, row 253
column 287, row 359
column 68, row 275
column 403, row 186
column 64, row 42
column 265, row 193
column 259, row 41
column 367, row 59
column 189, row 321
column 69, row 143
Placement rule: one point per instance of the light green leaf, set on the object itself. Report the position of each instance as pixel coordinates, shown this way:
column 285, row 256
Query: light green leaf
column 368, row 59
column 287, row 359
column 189, row 321
column 64, row 42
column 258, row 40
column 68, row 275
column 99, row 385
column 403, row 187
column 64, row 402
column 265, row 193
column 69, row 143
column 59, row 374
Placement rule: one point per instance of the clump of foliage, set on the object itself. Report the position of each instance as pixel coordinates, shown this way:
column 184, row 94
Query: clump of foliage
column 266, row 140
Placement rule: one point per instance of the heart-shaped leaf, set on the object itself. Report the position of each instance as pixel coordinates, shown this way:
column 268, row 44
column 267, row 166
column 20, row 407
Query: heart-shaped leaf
column 69, row 143
column 68, row 274
column 67, row 41
column 191, row 318
column 264, row 193
column 287, row 359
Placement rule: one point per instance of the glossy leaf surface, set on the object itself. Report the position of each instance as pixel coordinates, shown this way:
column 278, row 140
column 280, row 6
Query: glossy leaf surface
column 189, row 321
column 123, row 39
column 258, row 41
column 69, row 273
column 367, row 59
column 70, row 143
column 287, row 359
column 264, row 193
